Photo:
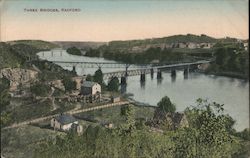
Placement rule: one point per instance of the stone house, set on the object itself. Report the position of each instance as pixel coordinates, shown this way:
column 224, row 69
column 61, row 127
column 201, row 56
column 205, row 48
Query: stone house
column 90, row 88
column 63, row 122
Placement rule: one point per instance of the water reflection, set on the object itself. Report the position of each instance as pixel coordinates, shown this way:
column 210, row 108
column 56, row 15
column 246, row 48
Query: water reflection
column 173, row 78
column 142, row 83
column 159, row 81
column 152, row 76
column 185, row 76
column 123, row 88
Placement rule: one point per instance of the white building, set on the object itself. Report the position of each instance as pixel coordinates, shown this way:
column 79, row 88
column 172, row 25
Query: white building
column 90, row 88
column 63, row 122
column 245, row 45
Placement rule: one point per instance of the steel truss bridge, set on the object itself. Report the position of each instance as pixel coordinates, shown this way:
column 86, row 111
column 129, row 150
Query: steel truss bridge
column 152, row 69
column 133, row 69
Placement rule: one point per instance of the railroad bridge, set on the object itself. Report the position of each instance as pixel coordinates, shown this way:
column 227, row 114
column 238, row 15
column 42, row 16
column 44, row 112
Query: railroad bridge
column 133, row 70
column 151, row 69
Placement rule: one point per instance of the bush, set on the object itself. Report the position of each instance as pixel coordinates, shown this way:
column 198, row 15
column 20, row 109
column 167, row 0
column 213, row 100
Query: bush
column 69, row 84
column 40, row 89
column 166, row 105
column 113, row 84
column 74, row 51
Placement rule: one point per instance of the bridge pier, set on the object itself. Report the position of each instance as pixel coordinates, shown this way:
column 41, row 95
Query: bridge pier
column 74, row 68
column 123, row 80
column 173, row 73
column 143, row 77
column 123, row 89
column 186, row 73
column 126, row 73
column 60, row 53
column 52, row 53
column 159, row 75
column 152, row 72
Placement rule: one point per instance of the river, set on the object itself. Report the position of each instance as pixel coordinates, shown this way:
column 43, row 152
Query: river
column 233, row 93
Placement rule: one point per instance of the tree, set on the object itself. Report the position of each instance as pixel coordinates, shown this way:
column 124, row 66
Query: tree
column 113, row 84
column 89, row 78
column 210, row 129
column 98, row 77
column 128, row 113
column 74, row 51
column 166, row 105
column 221, row 56
column 69, row 84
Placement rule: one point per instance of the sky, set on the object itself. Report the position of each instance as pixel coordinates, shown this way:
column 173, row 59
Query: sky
column 109, row 20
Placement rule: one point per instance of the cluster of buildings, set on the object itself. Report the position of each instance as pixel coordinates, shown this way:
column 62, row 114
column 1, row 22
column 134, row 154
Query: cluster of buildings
column 189, row 45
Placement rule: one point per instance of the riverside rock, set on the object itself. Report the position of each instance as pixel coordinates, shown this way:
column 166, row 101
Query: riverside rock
column 18, row 76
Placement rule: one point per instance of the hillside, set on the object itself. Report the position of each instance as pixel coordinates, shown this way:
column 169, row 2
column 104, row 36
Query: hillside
column 38, row 44
column 80, row 45
column 18, row 55
column 8, row 57
column 167, row 40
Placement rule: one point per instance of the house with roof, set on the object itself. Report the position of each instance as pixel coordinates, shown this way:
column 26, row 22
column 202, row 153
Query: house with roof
column 63, row 122
column 90, row 88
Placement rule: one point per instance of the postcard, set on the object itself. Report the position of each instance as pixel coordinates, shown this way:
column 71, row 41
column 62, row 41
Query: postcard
column 124, row 78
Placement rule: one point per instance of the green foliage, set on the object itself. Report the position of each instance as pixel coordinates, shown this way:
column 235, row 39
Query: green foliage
column 208, row 136
column 93, row 53
column 74, row 51
column 113, row 84
column 245, row 134
column 98, row 76
column 4, row 93
column 128, row 113
column 51, row 71
column 166, row 105
column 230, row 59
column 34, row 109
column 9, row 57
column 4, row 101
column 211, row 130
column 89, row 78
column 69, row 84
column 40, row 89
column 38, row 44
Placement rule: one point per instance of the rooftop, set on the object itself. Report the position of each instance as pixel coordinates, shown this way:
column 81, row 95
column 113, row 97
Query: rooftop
column 65, row 119
column 88, row 83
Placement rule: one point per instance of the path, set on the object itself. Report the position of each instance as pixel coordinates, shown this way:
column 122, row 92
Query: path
column 67, row 112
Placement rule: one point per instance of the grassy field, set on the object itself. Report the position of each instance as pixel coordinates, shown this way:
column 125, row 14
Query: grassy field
column 21, row 142
column 112, row 115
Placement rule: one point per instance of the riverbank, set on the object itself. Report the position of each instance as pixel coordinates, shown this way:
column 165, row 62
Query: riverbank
column 229, row 74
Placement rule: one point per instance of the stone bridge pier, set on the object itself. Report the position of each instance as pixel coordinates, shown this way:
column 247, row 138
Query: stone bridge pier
column 123, row 80
column 159, row 74
column 143, row 77
column 186, row 72
column 173, row 73
column 152, row 72
column 74, row 68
